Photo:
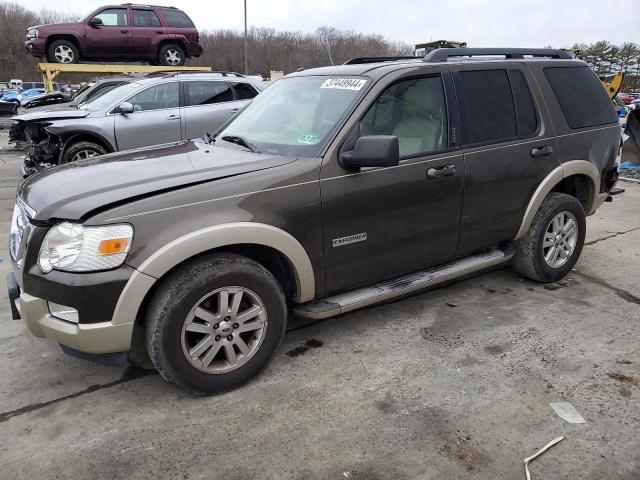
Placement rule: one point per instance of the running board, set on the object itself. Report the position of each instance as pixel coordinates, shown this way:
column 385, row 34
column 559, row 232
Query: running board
column 381, row 292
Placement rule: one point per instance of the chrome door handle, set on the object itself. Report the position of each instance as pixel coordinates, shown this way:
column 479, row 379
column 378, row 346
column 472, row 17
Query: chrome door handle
column 173, row 117
column 441, row 171
column 235, row 110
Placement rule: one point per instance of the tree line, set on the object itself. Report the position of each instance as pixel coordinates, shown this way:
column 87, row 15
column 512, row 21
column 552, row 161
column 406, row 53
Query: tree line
column 269, row 49
column 607, row 59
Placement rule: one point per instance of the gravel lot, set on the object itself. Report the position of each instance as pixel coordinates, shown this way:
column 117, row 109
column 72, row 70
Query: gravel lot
column 452, row 383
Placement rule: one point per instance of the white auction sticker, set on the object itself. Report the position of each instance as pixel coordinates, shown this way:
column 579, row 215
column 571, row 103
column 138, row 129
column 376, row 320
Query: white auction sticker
column 344, row 83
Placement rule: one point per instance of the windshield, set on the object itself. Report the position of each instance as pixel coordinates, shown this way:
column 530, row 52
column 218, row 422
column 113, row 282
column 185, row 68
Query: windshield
column 295, row 116
column 109, row 98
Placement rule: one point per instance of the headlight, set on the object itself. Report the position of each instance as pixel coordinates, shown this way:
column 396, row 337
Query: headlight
column 72, row 247
column 32, row 33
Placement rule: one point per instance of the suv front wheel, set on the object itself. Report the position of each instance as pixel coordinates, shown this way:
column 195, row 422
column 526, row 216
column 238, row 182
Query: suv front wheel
column 215, row 322
column 553, row 243
column 62, row 51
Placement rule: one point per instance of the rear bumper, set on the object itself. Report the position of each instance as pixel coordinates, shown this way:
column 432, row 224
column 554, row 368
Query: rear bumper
column 194, row 49
column 96, row 338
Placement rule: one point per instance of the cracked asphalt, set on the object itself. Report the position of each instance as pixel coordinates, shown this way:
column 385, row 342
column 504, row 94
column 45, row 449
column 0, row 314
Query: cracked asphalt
column 452, row 383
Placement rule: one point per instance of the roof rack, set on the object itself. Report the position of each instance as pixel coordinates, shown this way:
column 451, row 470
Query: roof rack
column 443, row 54
column 173, row 73
column 361, row 60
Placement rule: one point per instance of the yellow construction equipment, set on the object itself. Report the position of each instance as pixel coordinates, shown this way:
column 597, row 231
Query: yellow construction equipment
column 51, row 70
column 421, row 49
column 613, row 84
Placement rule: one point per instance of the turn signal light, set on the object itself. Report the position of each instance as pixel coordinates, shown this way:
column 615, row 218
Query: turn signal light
column 113, row 246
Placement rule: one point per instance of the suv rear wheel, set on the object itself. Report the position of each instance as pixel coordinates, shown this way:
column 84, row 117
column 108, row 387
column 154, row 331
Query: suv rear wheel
column 171, row 55
column 81, row 151
column 62, row 51
column 215, row 322
column 551, row 247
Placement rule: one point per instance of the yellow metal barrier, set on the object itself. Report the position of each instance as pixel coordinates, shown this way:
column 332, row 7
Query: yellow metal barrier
column 51, row 70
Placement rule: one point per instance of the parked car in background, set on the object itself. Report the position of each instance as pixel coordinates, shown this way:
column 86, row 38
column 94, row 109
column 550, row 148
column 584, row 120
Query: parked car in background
column 159, row 35
column 147, row 111
column 3, row 87
column 625, row 97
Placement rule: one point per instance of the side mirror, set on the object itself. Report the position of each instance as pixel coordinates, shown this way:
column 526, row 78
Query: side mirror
column 124, row 108
column 372, row 151
column 95, row 21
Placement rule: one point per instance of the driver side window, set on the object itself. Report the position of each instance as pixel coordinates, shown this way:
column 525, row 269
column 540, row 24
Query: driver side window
column 155, row 98
column 413, row 110
column 113, row 17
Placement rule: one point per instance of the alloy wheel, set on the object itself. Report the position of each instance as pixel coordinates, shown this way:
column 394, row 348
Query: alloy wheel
column 560, row 239
column 224, row 330
column 63, row 54
column 172, row 57
column 84, row 154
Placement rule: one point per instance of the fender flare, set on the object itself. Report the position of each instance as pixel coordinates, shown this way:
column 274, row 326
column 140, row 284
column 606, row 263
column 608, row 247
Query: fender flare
column 573, row 167
column 199, row 241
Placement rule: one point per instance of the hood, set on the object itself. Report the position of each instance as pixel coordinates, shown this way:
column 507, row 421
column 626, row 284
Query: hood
column 74, row 190
column 55, row 27
column 51, row 115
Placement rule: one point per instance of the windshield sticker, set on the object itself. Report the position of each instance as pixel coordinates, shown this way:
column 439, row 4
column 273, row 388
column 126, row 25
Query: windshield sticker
column 308, row 139
column 344, row 83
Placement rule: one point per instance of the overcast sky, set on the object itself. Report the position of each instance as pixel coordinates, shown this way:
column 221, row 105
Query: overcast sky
column 481, row 23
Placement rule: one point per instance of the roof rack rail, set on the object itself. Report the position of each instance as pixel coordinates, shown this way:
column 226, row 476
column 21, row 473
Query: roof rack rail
column 361, row 60
column 443, row 54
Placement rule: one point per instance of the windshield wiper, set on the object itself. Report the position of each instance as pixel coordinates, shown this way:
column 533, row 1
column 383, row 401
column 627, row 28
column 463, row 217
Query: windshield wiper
column 240, row 141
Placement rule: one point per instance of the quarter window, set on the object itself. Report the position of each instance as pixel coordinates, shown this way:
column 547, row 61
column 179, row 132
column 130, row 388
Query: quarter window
column 176, row 18
column 414, row 111
column 581, row 96
column 206, row 93
column 244, row 91
column 113, row 17
column 159, row 97
column 527, row 121
column 145, row 18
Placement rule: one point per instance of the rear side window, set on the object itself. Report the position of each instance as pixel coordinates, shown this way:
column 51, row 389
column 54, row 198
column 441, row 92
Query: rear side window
column 581, row 96
column 176, row 18
column 244, row 91
column 206, row 93
column 145, row 18
column 490, row 114
column 527, row 120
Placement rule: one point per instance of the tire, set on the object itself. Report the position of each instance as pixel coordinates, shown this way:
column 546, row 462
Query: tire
column 81, row 151
column 63, row 51
column 171, row 55
column 177, row 351
column 534, row 259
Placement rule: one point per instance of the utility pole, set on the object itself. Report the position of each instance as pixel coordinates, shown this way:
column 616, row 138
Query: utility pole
column 246, row 59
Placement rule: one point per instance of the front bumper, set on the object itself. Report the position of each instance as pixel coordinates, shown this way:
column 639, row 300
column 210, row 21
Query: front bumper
column 95, row 338
column 194, row 49
column 35, row 46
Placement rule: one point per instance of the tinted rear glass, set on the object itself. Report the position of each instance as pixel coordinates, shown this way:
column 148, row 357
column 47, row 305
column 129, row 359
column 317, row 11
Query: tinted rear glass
column 145, row 18
column 176, row 18
column 525, row 109
column 206, row 93
column 244, row 91
column 581, row 96
column 490, row 112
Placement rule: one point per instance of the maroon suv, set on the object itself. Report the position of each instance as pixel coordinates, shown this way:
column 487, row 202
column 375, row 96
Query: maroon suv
column 158, row 35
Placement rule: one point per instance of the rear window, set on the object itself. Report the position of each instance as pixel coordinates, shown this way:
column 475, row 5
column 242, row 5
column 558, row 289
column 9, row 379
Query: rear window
column 244, row 91
column 176, row 18
column 206, row 93
column 490, row 113
column 583, row 100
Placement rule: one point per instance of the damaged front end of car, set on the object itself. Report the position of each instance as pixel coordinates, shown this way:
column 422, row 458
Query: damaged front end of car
column 42, row 148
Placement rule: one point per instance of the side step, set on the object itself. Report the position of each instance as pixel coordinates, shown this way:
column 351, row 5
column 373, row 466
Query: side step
column 381, row 292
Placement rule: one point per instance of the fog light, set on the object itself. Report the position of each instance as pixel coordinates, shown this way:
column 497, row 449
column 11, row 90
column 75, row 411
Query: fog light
column 63, row 312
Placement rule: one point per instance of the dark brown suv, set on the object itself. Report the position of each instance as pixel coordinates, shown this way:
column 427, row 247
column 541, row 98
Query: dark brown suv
column 159, row 35
column 335, row 189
